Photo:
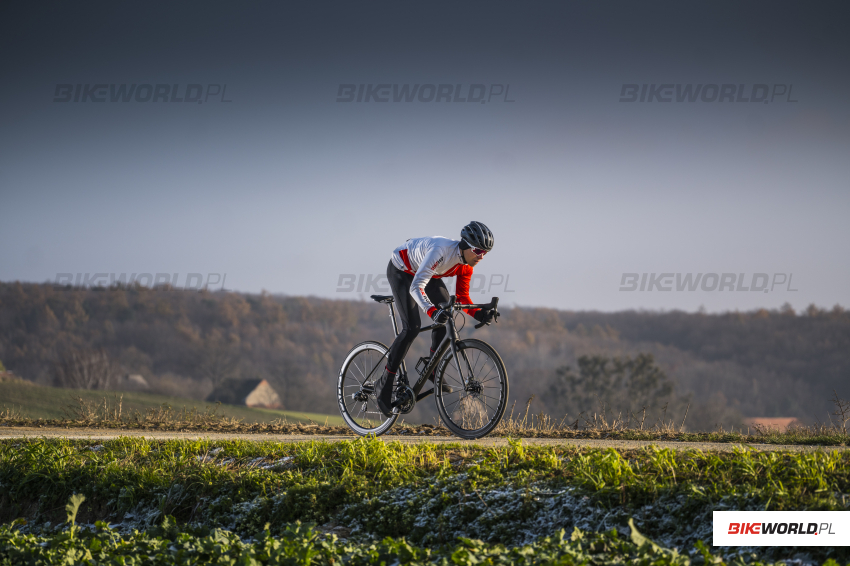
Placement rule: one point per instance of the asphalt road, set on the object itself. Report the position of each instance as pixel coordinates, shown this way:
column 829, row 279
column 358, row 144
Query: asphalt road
column 105, row 434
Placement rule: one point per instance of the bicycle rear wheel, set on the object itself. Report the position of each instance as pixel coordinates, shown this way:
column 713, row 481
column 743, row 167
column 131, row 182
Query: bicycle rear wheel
column 356, row 393
column 473, row 410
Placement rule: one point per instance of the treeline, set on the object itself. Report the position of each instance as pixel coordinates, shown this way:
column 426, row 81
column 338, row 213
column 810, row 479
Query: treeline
column 726, row 367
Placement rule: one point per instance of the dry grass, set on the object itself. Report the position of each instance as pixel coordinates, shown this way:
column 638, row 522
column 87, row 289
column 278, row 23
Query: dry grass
column 601, row 424
column 9, row 414
column 596, row 423
column 108, row 413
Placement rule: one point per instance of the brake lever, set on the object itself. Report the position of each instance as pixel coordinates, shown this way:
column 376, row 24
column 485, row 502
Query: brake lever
column 495, row 319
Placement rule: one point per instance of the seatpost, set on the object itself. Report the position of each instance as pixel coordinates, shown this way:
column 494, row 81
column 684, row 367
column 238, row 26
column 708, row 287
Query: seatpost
column 392, row 317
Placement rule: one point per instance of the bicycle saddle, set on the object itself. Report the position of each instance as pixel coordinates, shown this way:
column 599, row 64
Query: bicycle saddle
column 382, row 298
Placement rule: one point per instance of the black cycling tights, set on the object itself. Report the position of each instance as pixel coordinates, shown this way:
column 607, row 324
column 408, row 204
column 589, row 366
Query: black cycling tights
column 408, row 311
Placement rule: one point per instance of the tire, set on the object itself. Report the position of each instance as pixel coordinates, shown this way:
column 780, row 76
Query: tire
column 472, row 414
column 363, row 417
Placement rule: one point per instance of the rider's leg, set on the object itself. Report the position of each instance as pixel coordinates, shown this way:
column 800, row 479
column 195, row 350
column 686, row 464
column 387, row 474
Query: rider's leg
column 408, row 311
column 437, row 292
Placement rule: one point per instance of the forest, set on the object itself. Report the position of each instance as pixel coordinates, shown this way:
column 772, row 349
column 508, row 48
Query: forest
column 720, row 368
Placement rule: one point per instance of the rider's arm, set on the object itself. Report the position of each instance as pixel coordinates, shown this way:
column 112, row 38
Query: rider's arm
column 426, row 271
column 462, row 289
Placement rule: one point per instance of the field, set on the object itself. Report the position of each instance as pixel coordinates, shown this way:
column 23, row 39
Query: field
column 369, row 502
column 31, row 402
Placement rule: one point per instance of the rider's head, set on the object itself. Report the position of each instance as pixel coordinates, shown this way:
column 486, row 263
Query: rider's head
column 475, row 241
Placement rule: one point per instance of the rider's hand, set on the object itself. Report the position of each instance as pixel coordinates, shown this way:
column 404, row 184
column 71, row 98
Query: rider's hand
column 439, row 316
column 486, row 316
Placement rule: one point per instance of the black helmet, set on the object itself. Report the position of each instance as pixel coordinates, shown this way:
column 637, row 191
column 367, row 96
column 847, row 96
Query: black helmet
column 477, row 235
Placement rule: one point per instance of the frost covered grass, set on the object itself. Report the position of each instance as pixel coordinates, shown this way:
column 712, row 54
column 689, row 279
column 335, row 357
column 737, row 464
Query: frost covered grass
column 429, row 495
column 303, row 545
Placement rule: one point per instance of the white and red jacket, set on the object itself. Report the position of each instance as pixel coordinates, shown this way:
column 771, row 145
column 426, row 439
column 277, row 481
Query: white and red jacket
column 437, row 257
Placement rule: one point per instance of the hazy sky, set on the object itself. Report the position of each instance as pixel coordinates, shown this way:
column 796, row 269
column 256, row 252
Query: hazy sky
column 286, row 189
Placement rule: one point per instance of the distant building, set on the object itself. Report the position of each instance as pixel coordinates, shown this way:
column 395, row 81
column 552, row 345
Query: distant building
column 8, row 376
column 132, row 382
column 780, row 424
column 248, row 392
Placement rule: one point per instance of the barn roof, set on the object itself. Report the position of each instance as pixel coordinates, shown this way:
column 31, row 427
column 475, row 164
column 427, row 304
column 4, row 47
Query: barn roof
column 234, row 391
column 237, row 391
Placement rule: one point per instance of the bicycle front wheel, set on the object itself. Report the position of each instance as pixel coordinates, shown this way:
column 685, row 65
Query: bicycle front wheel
column 356, row 389
column 479, row 397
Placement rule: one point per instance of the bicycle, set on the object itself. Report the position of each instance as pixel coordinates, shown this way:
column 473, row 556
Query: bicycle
column 471, row 410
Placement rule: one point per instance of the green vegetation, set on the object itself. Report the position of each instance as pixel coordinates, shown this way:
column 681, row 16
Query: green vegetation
column 426, row 498
column 304, row 546
column 27, row 402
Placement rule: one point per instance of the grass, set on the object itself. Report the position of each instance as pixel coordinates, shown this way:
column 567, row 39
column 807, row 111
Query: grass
column 24, row 403
column 422, row 499
column 304, row 545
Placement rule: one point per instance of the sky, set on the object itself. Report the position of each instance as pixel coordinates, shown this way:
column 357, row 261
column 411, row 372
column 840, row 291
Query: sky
column 602, row 193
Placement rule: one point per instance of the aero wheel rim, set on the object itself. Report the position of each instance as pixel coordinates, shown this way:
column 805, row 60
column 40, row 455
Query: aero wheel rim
column 474, row 407
column 357, row 396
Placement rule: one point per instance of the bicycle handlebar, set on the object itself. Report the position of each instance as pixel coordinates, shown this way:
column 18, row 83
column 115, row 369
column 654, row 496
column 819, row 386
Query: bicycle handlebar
column 452, row 304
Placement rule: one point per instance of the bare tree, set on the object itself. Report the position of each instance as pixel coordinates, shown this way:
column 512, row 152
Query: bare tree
column 218, row 364
column 85, row 369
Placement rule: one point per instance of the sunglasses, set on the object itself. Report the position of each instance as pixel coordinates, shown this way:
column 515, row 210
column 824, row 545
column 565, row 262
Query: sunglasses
column 478, row 252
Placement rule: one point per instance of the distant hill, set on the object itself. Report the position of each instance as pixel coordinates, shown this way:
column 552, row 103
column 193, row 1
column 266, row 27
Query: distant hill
column 728, row 366
column 39, row 402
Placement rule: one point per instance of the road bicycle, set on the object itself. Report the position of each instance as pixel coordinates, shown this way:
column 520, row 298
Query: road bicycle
column 470, row 407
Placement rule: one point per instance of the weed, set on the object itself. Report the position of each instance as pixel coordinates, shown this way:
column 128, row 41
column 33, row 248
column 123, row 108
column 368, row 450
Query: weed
column 302, row 544
column 108, row 413
column 842, row 411
column 430, row 494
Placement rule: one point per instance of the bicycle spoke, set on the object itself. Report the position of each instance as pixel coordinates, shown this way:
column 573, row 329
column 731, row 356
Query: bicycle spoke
column 469, row 409
column 354, row 363
column 488, row 373
column 491, row 379
column 488, row 406
column 362, row 415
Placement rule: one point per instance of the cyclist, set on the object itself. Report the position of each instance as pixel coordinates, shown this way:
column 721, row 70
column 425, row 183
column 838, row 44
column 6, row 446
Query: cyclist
column 415, row 274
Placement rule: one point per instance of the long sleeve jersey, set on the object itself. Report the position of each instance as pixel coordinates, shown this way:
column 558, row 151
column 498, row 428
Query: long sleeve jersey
column 437, row 257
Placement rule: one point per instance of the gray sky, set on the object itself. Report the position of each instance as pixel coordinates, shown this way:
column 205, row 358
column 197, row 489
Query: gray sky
column 286, row 189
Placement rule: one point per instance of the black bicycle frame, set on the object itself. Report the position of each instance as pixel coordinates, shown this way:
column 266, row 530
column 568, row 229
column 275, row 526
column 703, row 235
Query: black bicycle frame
column 449, row 341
